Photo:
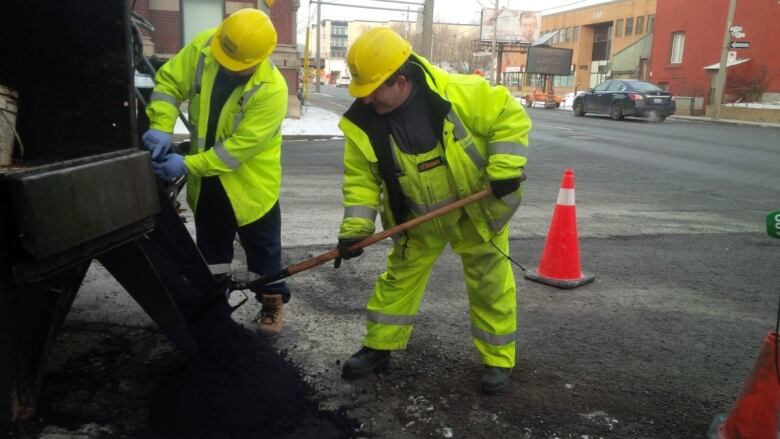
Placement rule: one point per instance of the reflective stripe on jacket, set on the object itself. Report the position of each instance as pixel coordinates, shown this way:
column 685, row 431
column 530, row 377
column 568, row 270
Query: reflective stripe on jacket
column 484, row 134
column 247, row 151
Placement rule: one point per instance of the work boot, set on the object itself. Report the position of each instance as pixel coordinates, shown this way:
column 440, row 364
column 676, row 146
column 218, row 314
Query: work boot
column 365, row 361
column 495, row 380
column 269, row 319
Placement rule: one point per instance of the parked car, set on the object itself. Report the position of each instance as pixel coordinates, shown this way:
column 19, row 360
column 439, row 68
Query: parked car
column 343, row 81
column 626, row 97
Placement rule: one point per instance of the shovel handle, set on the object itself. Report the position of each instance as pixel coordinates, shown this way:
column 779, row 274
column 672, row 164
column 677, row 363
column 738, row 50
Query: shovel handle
column 373, row 239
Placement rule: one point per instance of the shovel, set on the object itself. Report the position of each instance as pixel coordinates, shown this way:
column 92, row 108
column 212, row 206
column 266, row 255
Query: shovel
column 373, row 239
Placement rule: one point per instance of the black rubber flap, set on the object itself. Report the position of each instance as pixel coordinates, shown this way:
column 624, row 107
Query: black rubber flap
column 67, row 204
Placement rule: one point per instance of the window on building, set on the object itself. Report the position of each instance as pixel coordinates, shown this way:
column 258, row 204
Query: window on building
column 619, row 28
column 640, row 25
column 564, row 81
column 629, row 26
column 338, row 28
column 512, row 79
column 576, row 35
column 534, row 80
column 650, row 23
column 678, row 46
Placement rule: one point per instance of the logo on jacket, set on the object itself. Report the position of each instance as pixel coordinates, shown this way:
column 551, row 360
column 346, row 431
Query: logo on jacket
column 429, row 164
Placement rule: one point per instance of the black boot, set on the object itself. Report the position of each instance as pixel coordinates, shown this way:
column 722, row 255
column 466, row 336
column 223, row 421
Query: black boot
column 365, row 361
column 495, row 380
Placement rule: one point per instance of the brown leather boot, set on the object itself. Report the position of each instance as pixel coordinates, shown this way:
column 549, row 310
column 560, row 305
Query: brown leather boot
column 269, row 319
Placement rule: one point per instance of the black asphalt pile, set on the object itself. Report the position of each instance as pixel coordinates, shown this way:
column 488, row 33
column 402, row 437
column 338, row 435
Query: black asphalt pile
column 238, row 386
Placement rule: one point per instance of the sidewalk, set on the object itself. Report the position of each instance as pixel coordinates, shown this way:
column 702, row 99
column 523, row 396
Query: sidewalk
column 704, row 119
column 567, row 106
column 315, row 124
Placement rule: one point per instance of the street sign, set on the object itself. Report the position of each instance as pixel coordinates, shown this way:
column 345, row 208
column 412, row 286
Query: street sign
column 735, row 29
column 738, row 34
column 739, row 45
column 773, row 224
column 732, row 55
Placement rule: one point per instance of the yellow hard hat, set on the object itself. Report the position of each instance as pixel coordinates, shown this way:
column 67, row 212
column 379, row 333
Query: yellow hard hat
column 243, row 40
column 373, row 57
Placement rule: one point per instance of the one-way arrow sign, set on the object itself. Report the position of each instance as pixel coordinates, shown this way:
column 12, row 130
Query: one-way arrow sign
column 739, row 45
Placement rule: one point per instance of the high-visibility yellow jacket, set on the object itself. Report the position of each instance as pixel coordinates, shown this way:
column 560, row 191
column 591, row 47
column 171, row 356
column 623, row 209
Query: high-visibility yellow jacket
column 247, row 151
column 484, row 132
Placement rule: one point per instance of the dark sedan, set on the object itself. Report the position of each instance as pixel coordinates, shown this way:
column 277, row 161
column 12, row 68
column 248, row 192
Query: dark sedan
column 626, row 97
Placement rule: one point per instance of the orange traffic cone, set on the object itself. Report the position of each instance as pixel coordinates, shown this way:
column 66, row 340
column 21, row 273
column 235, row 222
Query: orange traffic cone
column 754, row 415
column 560, row 264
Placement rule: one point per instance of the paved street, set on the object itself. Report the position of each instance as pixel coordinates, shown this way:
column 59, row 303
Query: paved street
column 671, row 221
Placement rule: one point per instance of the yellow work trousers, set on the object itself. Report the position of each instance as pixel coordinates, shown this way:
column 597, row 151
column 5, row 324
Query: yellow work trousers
column 489, row 282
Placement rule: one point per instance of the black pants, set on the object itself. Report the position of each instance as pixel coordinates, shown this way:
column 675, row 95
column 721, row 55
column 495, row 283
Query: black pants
column 216, row 227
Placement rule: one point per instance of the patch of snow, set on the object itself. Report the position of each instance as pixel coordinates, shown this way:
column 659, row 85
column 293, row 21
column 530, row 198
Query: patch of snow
column 765, row 106
column 315, row 121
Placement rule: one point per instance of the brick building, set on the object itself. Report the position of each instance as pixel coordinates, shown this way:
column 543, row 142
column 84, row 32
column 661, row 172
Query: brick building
column 687, row 48
column 597, row 35
column 176, row 22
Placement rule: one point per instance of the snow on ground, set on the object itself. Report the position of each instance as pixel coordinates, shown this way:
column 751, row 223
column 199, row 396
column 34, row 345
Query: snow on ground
column 315, row 121
column 766, row 105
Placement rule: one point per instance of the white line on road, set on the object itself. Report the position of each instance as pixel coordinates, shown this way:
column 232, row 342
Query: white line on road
column 555, row 126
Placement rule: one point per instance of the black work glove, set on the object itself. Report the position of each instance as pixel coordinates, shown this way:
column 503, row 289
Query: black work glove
column 344, row 253
column 502, row 188
column 182, row 148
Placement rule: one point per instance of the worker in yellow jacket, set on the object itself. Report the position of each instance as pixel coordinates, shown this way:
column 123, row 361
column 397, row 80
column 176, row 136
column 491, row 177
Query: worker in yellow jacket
column 418, row 138
column 237, row 101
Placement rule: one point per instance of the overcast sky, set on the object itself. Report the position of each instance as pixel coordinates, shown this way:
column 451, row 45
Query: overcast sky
column 452, row 11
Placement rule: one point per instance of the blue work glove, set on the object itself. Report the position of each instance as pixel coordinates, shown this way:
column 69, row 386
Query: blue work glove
column 158, row 143
column 171, row 167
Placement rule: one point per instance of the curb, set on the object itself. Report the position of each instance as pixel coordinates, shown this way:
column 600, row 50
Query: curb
column 726, row 121
column 299, row 137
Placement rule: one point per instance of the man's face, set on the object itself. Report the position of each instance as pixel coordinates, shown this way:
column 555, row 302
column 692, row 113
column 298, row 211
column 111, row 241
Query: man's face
column 387, row 98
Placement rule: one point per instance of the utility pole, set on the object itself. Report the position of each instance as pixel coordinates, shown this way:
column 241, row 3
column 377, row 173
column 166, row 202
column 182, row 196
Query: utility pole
column 720, row 80
column 493, row 60
column 319, row 60
column 407, row 23
column 427, row 40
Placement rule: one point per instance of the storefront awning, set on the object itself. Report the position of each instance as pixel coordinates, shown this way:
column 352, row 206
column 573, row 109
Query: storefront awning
column 729, row 63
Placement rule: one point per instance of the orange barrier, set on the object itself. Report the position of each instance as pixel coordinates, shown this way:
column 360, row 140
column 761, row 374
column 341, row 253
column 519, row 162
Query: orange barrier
column 560, row 264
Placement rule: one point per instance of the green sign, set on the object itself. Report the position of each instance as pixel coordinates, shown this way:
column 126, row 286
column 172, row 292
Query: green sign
column 773, row 224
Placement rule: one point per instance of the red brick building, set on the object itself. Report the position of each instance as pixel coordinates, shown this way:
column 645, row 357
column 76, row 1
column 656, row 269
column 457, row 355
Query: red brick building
column 687, row 48
column 169, row 34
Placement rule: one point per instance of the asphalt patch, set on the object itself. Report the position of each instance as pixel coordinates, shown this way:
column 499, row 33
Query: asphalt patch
column 239, row 386
column 120, row 381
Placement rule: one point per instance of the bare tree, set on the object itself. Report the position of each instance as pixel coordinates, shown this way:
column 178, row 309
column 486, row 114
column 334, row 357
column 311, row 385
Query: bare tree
column 452, row 47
